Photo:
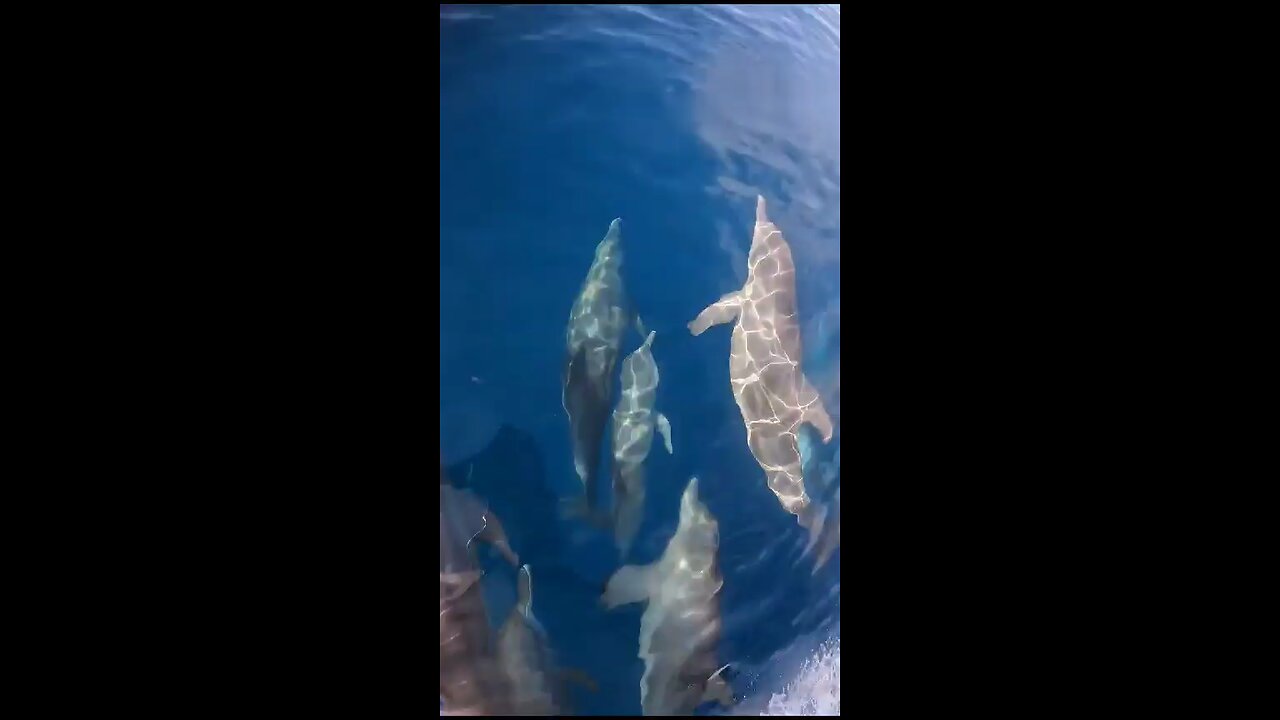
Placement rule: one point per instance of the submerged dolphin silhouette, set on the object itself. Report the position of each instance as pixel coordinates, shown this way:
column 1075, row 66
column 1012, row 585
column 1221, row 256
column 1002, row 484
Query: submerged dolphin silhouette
column 680, row 627
column 596, row 324
column 536, row 682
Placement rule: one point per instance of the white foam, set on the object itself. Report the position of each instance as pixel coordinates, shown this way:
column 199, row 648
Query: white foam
column 815, row 690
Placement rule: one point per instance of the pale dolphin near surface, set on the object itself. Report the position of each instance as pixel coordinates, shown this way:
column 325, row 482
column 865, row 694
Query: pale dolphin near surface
column 681, row 626
column 525, row 658
column 470, row 680
column 765, row 372
column 596, row 324
column 634, row 420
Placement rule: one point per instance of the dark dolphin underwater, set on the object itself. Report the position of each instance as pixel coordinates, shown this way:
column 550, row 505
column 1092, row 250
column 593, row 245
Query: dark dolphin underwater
column 676, row 121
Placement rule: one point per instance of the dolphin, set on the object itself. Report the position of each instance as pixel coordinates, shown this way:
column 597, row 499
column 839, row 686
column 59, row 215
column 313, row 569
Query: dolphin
column 681, row 626
column 526, row 662
column 596, row 324
column 470, row 681
column 634, row 421
column 469, row 518
column 825, row 491
column 829, row 539
column 772, row 392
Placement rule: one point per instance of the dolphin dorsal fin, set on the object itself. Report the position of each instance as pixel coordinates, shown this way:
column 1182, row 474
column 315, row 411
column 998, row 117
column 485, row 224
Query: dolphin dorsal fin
column 524, row 599
column 632, row 583
column 664, row 429
column 524, row 591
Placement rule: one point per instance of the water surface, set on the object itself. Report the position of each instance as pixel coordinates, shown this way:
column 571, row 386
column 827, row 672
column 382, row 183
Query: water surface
column 554, row 121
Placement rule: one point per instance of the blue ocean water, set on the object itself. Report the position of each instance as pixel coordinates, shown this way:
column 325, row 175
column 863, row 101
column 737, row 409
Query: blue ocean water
column 553, row 121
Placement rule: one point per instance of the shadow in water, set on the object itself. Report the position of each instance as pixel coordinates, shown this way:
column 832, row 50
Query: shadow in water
column 508, row 474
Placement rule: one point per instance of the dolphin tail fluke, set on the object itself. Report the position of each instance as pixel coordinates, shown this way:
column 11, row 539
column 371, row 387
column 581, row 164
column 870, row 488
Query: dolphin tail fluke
column 723, row 310
column 664, row 429
column 718, row 690
column 632, row 583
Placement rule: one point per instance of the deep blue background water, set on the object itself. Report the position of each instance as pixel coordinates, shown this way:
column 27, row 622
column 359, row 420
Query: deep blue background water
column 554, row 121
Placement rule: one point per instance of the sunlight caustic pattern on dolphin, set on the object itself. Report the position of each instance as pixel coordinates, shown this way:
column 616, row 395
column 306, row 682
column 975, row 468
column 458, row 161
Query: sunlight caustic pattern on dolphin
column 680, row 627
column 596, row 324
column 765, row 366
column 634, row 421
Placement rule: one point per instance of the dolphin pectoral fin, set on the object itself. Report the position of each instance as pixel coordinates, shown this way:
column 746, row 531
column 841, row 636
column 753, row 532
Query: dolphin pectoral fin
column 664, row 429
column 580, row 677
column 632, row 583
column 640, row 326
column 721, row 311
column 816, row 413
column 718, row 690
